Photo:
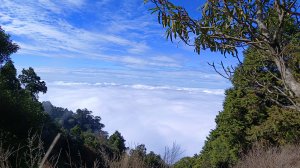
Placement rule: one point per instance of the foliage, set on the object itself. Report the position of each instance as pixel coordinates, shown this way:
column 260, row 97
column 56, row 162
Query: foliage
column 150, row 160
column 7, row 47
column 271, row 27
column 186, row 162
column 117, row 142
column 153, row 160
column 32, row 82
column 82, row 119
column 17, row 106
column 250, row 114
column 83, row 129
column 139, row 150
column 8, row 77
column 226, row 25
column 263, row 104
column 58, row 114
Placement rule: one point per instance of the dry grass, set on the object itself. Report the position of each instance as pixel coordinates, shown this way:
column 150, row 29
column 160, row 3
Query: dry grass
column 127, row 161
column 5, row 154
column 32, row 155
column 259, row 157
column 271, row 157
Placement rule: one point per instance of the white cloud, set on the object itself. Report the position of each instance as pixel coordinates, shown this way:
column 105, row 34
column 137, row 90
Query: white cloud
column 77, row 3
column 52, row 33
column 102, row 2
column 142, row 87
column 179, row 77
column 48, row 4
column 60, row 6
column 153, row 115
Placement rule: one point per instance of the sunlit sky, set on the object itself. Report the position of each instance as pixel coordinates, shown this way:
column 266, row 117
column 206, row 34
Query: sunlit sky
column 112, row 57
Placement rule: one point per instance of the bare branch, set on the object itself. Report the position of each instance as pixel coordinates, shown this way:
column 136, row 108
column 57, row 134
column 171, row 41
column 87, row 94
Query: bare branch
column 227, row 74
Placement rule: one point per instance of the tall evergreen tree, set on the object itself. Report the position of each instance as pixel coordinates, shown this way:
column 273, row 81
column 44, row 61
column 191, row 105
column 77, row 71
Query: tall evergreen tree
column 117, row 142
column 251, row 113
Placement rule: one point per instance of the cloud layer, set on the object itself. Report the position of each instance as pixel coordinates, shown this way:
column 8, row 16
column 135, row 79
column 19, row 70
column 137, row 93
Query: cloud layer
column 153, row 115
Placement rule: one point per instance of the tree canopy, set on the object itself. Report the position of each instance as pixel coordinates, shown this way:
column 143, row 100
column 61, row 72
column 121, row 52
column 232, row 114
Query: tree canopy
column 7, row 47
column 117, row 142
column 19, row 112
column 271, row 27
column 32, row 82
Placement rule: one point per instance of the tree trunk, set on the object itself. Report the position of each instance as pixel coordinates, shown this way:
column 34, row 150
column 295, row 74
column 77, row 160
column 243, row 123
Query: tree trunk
column 288, row 77
column 291, row 82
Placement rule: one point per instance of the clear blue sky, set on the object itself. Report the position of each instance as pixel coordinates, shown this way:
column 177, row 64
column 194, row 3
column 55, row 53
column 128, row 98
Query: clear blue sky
column 111, row 56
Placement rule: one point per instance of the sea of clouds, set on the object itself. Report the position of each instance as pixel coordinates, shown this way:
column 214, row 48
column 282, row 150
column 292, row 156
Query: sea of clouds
column 156, row 116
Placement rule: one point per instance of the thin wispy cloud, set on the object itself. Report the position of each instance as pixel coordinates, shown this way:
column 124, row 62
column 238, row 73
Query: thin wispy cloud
column 45, row 31
column 129, row 76
column 142, row 87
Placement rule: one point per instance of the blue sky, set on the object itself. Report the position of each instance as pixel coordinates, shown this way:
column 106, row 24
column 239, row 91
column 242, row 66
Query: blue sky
column 112, row 57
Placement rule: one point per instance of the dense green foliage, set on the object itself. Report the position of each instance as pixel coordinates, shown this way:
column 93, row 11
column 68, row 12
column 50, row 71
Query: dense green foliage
column 32, row 82
column 186, row 162
column 82, row 118
column 7, row 47
column 17, row 107
column 117, row 142
column 19, row 112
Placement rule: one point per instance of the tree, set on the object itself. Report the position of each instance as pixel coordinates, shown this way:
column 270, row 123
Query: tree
column 186, row 162
column 18, row 112
column 88, row 122
column 58, row 114
column 172, row 154
column 271, row 27
column 7, row 47
column 250, row 115
column 139, row 151
column 153, row 160
column 117, row 143
column 8, row 77
column 32, row 82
